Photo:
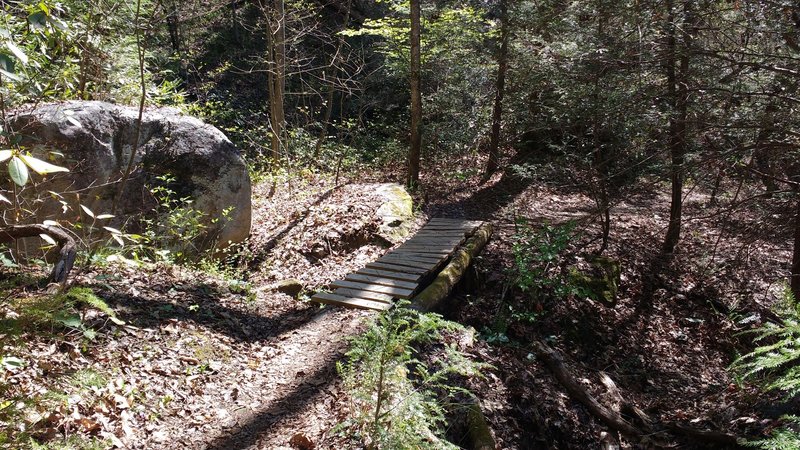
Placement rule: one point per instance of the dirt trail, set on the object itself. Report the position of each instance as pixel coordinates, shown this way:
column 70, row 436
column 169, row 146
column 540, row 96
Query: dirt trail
column 297, row 399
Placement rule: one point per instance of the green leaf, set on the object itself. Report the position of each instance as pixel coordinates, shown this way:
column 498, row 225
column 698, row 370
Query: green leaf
column 6, row 261
column 17, row 52
column 112, row 230
column 4, row 199
column 41, row 167
column 7, row 67
column 69, row 321
column 11, row 363
column 38, row 20
column 105, row 216
column 89, row 334
column 5, row 154
column 18, row 171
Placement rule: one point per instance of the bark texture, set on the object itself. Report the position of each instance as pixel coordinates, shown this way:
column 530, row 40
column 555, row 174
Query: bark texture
column 416, row 98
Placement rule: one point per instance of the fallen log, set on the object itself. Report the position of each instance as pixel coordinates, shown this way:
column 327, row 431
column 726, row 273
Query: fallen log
column 67, row 248
column 441, row 287
column 553, row 360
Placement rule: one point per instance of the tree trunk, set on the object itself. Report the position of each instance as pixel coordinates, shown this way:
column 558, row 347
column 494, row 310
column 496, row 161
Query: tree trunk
column 497, row 111
column 679, row 94
column 416, row 98
column 276, row 74
column 761, row 153
column 795, row 281
column 237, row 36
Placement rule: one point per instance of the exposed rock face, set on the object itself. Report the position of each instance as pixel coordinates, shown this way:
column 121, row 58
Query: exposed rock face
column 97, row 139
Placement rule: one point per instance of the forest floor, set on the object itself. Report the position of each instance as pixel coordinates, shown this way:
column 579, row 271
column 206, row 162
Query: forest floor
column 205, row 361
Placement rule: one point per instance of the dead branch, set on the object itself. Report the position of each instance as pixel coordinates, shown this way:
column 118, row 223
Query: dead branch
column 643, row 433
column 66, row 252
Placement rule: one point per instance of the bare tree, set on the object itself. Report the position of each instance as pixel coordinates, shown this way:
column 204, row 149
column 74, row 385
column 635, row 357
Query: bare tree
column 416, row 98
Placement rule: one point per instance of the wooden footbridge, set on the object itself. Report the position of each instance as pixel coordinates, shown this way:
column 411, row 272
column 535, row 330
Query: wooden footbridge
column 404, row 272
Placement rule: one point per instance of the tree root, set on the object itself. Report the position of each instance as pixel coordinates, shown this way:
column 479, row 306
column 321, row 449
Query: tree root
column 66, row 252
column 642, row 432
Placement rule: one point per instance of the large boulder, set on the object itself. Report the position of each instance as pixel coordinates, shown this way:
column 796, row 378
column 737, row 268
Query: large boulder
column 396, row 212
column 97, row 140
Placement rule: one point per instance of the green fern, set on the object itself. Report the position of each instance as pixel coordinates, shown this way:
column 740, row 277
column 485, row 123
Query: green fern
column 784, row 438
column 394, row 394
column 776, row 365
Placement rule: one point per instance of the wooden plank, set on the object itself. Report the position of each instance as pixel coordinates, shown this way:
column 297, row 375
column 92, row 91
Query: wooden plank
column 448, row 220
column 366, row 295
column 390, row 274
column 403, row 262
column 454, row 228
column 442, row 234
column 425, row 254
column 434, row 240
column 411, row 251
column 396, row 268
column 397, row 292
column 338, row 300
column 380, row 280
column 454, row 222
column 415, row 257
column 430, row 248
column 422, row 253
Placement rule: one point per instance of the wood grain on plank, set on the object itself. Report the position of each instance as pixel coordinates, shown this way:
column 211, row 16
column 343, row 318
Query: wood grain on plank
column 333, row 299
column 414, row 257
column 394, row 267
column 414, row 248
column 432, row 257
column 443, row 239
column 434, row 234
column 408, row 263
column 366, row 295
column 390, row 274
column 397, row 292
column 380, row 280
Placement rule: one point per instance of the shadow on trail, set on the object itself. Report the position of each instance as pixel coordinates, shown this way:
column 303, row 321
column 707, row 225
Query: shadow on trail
column 202, row 307
column 258, row 425
column 489, row 199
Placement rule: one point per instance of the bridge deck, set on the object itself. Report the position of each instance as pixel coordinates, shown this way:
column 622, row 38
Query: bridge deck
column 401, row 272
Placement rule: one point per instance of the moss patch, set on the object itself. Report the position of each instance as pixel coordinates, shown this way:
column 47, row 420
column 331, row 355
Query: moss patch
column 602, row 283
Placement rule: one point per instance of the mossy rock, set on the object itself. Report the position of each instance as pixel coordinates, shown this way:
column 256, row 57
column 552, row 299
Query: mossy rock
column 290, row 287
column 603, row 283
column 396, row 212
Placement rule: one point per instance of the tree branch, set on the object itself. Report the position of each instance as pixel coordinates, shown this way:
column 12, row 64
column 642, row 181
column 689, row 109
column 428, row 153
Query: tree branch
column 67, row 245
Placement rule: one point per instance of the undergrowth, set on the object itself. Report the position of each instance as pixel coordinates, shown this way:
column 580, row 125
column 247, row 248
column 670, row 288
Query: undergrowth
column 774, row 364
column 398, row 399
